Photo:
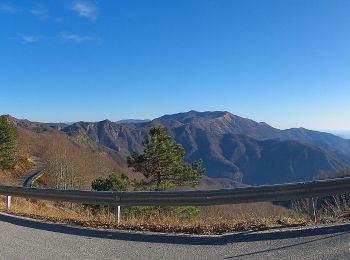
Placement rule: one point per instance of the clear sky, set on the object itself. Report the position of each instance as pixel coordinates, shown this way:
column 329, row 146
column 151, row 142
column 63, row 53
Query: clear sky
column 283, row 62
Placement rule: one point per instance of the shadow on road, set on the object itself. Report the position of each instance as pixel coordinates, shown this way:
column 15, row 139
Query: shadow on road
column 292, row 245
column 175, row 239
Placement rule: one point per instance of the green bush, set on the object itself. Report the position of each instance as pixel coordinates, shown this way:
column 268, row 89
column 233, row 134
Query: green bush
column 111, row 183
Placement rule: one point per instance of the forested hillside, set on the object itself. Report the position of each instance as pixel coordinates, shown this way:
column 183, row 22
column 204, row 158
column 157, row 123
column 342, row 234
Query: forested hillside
column 232, row 148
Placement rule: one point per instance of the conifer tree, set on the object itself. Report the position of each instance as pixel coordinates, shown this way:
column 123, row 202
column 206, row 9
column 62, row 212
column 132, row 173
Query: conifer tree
column 8, row 144
column 162, row 163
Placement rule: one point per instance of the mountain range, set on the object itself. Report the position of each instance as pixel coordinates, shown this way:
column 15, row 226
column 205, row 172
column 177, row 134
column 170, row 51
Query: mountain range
column 132, row 121
column 232, row 148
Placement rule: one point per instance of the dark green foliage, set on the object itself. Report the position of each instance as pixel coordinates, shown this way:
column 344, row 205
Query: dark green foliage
column 111, row 183
column 163, row 166
column 8, row 144
column 162, row 163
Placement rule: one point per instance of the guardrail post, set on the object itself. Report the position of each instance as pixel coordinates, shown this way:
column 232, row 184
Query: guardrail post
column 117, row 215
column 314, row 209
column 8, row 202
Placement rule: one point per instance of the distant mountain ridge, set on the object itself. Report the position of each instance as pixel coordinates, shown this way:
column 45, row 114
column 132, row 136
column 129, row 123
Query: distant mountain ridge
column 231, row 147
column 133, row 121
column 35, row 126
column 225, row 122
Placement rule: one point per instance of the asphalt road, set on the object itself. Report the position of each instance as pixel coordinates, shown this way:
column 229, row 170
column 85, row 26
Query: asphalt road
column 28, row 239
column 29, row 179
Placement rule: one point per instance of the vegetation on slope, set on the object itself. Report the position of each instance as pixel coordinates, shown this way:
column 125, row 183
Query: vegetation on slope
column 230, row 146
column 162, row 163
column 8, row 144
column 74, row 165
column 68, row 165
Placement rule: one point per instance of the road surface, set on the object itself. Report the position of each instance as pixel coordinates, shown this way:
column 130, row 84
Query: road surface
column 29, row 179
column 29, row 239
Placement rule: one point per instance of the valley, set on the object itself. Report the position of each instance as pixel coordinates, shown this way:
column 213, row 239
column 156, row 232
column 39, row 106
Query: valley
column 234, row 150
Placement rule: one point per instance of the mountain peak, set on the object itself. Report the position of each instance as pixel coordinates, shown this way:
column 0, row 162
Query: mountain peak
column 106, row 121
column 231, row 146
column 185, row 116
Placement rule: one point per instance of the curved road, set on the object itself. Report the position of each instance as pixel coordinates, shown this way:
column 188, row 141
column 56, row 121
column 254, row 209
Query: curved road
column 23, row 238
column 29, row 179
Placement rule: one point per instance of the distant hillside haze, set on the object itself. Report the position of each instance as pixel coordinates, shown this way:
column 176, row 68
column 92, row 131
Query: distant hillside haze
column 342, row 134
column 232, row 148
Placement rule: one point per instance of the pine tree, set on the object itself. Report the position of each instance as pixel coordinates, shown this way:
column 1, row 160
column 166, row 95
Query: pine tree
column 162, row 163
column 8, row 144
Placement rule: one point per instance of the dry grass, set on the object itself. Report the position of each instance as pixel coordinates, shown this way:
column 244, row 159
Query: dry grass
column 6, row 178
column 23, row 165
column 207, row 222
column 84, row 163
column 210, row 220
column 241, row 211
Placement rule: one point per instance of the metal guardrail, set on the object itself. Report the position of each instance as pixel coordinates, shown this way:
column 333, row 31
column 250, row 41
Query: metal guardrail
column 280, row 192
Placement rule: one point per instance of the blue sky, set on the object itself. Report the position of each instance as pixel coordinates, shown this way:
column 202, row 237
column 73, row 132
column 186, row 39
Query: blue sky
column 283, row 62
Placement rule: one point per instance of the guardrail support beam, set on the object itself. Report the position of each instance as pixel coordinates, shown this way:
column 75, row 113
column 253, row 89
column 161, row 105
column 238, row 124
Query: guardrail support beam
column 8, row 202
